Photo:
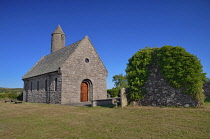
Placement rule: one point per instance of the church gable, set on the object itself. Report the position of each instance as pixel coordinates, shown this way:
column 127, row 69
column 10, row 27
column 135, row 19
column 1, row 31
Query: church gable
column 86, row 56
column 69, row 74
column 82, row 65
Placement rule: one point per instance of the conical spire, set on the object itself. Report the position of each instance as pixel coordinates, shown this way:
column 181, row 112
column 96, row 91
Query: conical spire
column 58, row 39
column 58, row 30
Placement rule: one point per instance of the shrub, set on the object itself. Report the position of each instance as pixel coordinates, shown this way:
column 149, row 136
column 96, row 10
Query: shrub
column 13, row 95
column 3, row 95
column 114, row 92
column 18, row 96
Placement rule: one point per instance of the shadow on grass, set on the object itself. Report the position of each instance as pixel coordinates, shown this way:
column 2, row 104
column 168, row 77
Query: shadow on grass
column 108, row 106
column 20, row 97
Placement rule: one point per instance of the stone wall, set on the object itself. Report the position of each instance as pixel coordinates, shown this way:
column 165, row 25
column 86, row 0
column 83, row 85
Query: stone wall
column 36, row 90
column 206, row 88
column 160, row 93
column 83, row 64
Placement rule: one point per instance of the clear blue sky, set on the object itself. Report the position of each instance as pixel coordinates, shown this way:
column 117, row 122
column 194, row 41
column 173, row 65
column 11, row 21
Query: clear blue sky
column 117, row 29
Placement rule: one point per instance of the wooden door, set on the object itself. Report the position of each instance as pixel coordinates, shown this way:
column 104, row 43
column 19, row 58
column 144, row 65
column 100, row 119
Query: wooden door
column 84, row 92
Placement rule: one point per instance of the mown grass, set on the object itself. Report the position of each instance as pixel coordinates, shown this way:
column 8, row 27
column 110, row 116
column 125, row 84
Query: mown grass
column 31, row 120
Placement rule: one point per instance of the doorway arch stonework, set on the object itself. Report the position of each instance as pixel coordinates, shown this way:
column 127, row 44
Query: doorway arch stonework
column 86, row 91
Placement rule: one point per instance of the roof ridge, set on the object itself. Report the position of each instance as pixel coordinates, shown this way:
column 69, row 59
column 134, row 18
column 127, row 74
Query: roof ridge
column 52, row 62
column 33, row 66
column 78, row 42
column 86, row 37
column 65, row 47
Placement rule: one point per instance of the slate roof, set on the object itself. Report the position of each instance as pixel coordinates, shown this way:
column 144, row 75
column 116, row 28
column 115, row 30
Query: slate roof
column 51, row 62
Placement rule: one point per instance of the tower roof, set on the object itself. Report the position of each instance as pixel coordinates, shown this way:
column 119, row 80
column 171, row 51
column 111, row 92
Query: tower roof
column 58, row 30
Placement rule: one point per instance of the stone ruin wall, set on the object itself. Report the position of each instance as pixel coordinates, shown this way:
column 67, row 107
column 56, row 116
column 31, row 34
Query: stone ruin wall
column 206, row 89
column 161, row 93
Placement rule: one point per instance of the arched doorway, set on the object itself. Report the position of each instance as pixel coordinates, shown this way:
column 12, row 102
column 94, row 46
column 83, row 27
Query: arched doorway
column 86, row 91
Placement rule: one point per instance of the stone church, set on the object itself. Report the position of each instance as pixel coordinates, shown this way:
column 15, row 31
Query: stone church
column 70, row 74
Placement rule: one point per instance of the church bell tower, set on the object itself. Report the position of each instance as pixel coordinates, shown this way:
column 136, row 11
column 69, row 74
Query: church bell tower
column 58, row 39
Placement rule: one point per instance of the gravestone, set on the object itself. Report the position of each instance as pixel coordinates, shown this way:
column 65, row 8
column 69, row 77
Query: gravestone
column 123, row 95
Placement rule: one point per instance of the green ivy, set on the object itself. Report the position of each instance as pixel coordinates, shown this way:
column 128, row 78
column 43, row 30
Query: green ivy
column 180, row 68
column 138, row 72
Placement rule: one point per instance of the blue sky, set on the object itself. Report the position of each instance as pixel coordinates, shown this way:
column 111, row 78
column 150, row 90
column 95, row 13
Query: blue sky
column 117, row 29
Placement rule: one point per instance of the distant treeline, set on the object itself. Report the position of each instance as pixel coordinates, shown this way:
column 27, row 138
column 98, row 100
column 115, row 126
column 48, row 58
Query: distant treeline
column 11, row 93
column 11, row 90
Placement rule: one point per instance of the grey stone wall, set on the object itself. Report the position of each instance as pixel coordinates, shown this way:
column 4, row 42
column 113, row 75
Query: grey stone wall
column 40, row 94
column 161, row 93
column 58, row 42
column 76, row 69
column 206, row 88
column 58, row 39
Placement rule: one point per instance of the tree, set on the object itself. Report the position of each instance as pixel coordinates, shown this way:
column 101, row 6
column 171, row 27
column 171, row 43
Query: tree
column 120, row 81
column 207, row 79
column 114, row 92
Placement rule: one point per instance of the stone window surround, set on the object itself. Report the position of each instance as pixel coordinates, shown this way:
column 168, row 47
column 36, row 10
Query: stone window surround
column 87, row 60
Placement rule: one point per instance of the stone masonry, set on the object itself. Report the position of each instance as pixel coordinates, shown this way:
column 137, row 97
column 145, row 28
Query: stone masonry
column 81, row 69
column 46, row 92
column 161, row 93
column 206, row 88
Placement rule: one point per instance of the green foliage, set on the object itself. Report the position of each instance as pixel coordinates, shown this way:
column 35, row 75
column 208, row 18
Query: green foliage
column 207, row 99
column 207, row 80
column 180, row 68
column 120, row 81
column 20, row 96
column 10, row 90
column 138, row 72
column 114, row 92
column 11, row 93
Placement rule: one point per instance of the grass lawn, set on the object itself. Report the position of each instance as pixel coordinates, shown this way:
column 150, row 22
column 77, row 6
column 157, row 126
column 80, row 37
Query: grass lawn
column 31, row 120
